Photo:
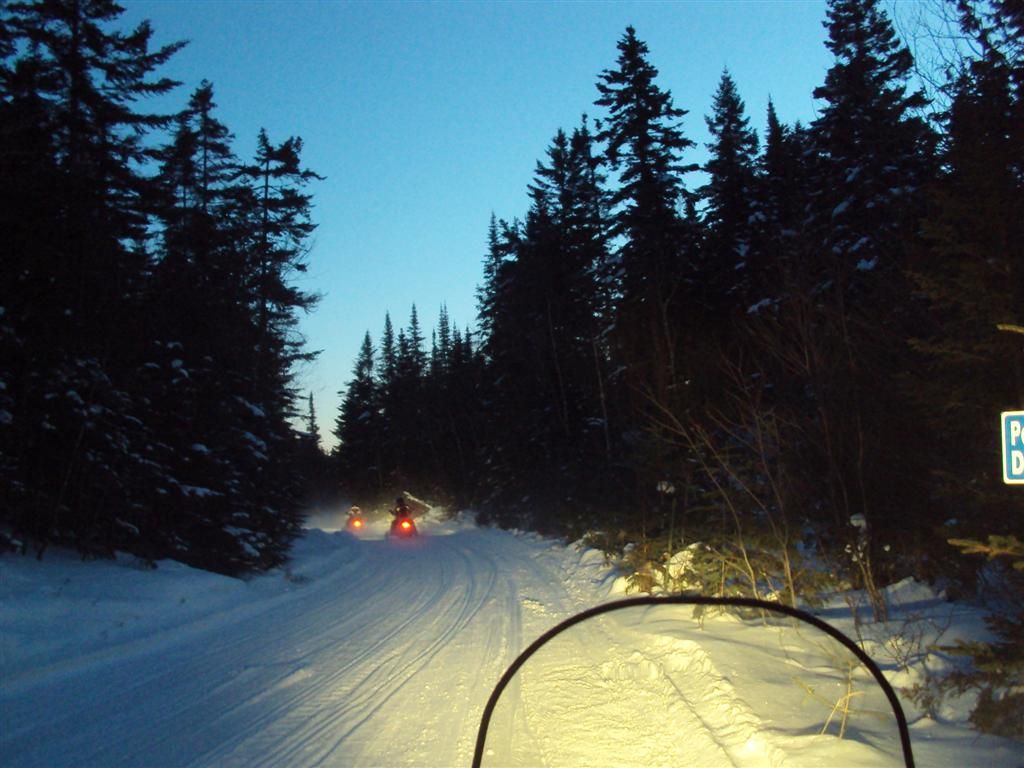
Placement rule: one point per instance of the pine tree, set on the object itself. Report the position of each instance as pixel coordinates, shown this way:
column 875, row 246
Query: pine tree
column 729, row 200
column 468, row 415
column 197, row 172
column 81, row 458
column 387, row 352
column 499, row 245
column 873, row 158
column 149, row 318
column 200, row 360
column 779, row 231
column 643, row 142
column 544, row 311
column 658, row 340
column 277, row 221
column 268, row 216
column 971, row 270
column 359, row 428
column 406, row 403
column 401, row 382
column 442, row 343
column 875, row 150
column 312, row 428
column 656, row 263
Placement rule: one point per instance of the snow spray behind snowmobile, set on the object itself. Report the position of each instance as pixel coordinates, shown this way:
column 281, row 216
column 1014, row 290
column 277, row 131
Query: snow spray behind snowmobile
column 702, row 681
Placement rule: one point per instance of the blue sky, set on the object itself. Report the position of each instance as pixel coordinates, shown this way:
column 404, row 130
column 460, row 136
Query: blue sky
column 426, row 117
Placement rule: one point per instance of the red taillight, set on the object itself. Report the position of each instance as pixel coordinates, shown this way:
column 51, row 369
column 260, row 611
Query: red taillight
column 406, row 525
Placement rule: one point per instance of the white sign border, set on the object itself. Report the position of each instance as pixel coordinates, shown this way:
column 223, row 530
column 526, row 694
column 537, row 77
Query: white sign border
column 1003, row 438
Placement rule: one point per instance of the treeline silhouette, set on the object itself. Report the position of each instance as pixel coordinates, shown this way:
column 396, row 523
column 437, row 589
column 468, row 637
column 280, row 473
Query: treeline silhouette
column 799, row 353
column 784, row 381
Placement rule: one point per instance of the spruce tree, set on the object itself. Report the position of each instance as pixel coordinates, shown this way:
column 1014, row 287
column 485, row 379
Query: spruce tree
column 358, row 427
column 277, row 222
column 202, row 322
column 780, row 221
column 658, row 341
column 873, row 158
column 874, row 147
column 80, row 458
column 268, row 215
column 971, row 269
column 643, row 144
column 655, row 264
column 544, row 313
column 729, row 200
column 401, row 383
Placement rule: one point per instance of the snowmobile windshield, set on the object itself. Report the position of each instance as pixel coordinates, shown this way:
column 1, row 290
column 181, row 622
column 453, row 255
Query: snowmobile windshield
column 693, row 681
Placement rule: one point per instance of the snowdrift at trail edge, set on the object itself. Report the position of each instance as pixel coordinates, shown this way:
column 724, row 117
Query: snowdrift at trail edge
column 837, row 687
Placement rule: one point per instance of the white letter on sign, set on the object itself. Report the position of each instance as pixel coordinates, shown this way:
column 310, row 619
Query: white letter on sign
column 1015, row 427
column 1017, row 460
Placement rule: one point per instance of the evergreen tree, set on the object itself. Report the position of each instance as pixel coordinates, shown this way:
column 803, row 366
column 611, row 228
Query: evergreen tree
column 312, row 429
column 875, row 150
column 873, row 156
column 468, row 417
column 199, row 281
column 655, row 263
column 276, row 221
column 388, row 352
column 658, row 341
column 197, row 172
column 268, row 216
column 498, row 250
column 444, row 410
column 543, row 313
column 442, row 344
column 161, row 376
column 643, row 143
column 82, row 464
column 729, row 197
column 406, row 399
column 971, row 269
column 226, row 506
column 359, row 428
column 779, row 231
column 401, row 386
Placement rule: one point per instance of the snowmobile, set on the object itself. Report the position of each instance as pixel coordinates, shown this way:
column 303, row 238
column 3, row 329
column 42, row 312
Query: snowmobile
column 403, row 527
column 355, row 522
column 689, row 679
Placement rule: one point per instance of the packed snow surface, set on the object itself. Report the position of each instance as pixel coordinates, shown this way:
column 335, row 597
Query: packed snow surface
column 366, row 651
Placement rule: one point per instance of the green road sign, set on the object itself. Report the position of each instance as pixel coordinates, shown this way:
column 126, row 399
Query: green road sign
column 1013, row 447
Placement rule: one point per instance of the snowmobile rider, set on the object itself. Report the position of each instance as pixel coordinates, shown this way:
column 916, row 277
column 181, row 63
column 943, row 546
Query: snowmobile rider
column 401, row 508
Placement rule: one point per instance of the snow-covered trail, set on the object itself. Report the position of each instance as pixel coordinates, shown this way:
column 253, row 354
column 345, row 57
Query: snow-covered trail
column 379, row 653
column 368, row 652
